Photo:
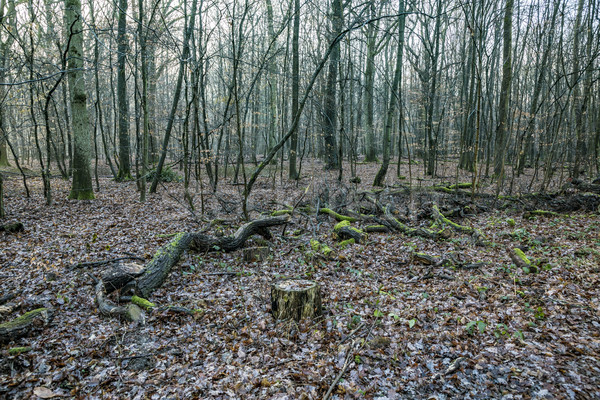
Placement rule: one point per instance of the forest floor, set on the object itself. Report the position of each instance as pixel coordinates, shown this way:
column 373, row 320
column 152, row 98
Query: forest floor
column 401, row 329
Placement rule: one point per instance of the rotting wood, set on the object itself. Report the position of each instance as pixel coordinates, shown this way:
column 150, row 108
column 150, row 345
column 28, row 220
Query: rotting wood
column 130, row 311
column 442, row 221
column 295, row 299
column 24, row 324
column 119, row 276
column 344, row 231
column 255, row 254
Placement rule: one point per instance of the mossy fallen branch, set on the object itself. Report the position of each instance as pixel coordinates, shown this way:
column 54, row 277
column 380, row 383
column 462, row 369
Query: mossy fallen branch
column 278, row 213
column 347, row 242
column 376, row 228
column 15, row 351
column 442, row 221
column 542, row 213
column 27, row 322
column 142, row 303
column 337, row 216
column 344, row 231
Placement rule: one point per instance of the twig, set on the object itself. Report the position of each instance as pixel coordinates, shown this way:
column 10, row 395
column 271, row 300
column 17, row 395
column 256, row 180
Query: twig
column 339, row 376
column 349, row 336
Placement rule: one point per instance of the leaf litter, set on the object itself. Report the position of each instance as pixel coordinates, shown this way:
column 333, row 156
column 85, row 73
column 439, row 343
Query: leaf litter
column 488, row 332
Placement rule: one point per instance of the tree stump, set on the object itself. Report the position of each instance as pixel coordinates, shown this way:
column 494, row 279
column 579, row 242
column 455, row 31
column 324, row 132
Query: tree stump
column 256, row 254
column 295, row 299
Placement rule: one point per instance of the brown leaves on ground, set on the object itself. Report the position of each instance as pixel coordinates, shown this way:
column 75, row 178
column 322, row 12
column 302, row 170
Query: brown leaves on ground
column 428, row 332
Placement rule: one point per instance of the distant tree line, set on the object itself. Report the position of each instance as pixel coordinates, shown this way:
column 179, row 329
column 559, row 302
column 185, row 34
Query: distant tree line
column 226, row 87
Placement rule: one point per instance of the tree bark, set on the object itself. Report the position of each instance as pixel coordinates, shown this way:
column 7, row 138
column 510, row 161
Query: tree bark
column 156, row 272
column 330, row 123
column 124, row 163
column 394, row 94
column 81, row 188
column 501, row 132
column 295, row 299
column 293, row 171
column 21, row 326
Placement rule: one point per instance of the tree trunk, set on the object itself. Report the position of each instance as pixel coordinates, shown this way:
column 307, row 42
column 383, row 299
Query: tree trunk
column 394, row 94
column 124, row 162
column 295, row 299
column 371, row 154
column 501, row 133
column 166, row 257
column 81, row 188
column 330, row 124
column 293, row 171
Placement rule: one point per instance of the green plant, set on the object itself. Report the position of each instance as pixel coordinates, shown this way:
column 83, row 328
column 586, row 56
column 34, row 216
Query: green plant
column 501, row 330
column 471, row 325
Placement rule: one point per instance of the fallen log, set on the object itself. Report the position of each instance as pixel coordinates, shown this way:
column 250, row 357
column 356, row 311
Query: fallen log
column 130, row 311
column 344, row 231
column 143, row 283
column 201, row 242
column 119, row 276
column 23, row 325
column 442, row 221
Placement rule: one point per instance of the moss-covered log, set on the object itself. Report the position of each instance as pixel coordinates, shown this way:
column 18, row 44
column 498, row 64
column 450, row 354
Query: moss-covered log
column 144, row 282
column 295, row 299
column 377, row 229
column 344, row 231
column 522, row 261
column 442, row 221
column 23, row 325
column 399, row 226
column 156, row 272
column 12, row 228
column 337, row 216
column 541, row 213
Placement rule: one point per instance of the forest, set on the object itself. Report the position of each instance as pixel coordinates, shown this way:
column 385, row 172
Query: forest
column 300, row 199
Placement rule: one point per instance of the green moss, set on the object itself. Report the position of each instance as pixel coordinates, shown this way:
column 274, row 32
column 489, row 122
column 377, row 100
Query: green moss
column 143, row 303
column 360, row 232
column 341, row 225
column 337, row 216
column 522, row 256
column 82, row 194
column 315, row 245
column 24, row 319
column 375, row 227
column 278, row 213
column 15, row 351
column 326, row 250
column 346, row 243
